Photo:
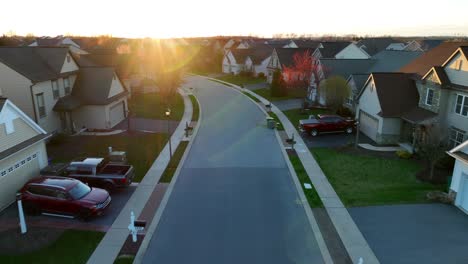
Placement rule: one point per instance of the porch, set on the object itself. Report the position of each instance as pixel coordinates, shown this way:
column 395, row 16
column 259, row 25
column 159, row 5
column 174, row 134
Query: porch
column 414, row 128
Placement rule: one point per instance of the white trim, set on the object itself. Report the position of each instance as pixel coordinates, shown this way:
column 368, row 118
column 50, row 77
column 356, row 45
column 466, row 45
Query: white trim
column 23, row 116
column 465, row 98
column 427, row 96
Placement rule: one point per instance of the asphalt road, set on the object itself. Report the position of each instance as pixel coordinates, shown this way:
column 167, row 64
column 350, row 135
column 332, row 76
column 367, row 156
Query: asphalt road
column 234, row 200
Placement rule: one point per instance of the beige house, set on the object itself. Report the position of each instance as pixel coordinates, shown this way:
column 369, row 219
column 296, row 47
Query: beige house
column 22, row 150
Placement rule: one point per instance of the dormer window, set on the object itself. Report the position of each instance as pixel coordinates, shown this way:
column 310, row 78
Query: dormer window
column 429, row 96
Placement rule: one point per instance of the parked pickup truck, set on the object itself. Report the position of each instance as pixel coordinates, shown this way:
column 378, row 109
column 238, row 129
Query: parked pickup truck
column 99, row 172
column 326, row 124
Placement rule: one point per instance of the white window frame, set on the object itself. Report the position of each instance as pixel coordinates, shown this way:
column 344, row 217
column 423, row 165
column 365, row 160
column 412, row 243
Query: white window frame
column 55, row 89
column 66, row 85
column 455, row 141
column 464, row 100
column 431, row 103
column 41, row 108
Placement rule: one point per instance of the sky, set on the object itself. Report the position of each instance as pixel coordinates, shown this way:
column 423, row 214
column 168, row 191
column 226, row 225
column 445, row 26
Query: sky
column 192, row 18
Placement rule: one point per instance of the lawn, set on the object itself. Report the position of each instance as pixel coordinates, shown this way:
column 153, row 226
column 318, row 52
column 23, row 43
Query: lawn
column 252, row 97
column 142, row 149
column 295, row 115
column 174, row 162
column 365, row 180
column 241, row 80
column 151, row 105
column 311, row 194
column 71, row 247
column 196, row 108
column 265, row 93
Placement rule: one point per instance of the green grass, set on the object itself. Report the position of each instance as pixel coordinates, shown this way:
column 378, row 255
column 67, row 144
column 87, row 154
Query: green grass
column 252, row 97
column 279, row 125
column 174, row 162
column 311, row 194
column 241, row 80
column 295, row 115
column 196, row 108
column 265, row 93
column 142, row 149
column 71, row 247
column 365, row 180
column 151, row 105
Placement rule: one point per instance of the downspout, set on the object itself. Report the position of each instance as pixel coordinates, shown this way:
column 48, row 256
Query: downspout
column 33, row 103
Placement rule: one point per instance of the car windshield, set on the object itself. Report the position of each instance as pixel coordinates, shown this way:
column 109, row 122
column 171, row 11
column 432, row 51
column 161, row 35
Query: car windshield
column 79, row 191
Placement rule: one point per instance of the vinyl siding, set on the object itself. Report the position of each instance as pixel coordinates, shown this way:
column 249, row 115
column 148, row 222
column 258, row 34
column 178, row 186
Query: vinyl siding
column 456, row 76
column 16, row 87
column 21, row 133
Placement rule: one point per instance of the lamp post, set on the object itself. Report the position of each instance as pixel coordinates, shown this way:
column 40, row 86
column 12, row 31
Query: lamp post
column 168, row 113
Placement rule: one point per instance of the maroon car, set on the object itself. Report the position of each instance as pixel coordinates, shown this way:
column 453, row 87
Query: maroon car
column 326, row 124
column 63, row 196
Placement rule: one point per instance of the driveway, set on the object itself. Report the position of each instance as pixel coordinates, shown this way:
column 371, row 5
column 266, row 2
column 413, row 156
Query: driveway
column 427, row 233
column 9, row 216
column 234, row 200
column 148, row 125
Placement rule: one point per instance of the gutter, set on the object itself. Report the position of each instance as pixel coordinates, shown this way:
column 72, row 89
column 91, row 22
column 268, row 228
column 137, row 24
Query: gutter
column 34, row 105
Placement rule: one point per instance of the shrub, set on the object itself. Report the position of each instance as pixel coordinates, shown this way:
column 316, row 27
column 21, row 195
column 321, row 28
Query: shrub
column 58, row 139
column 447, row 162
column 343, row 111
column 403, row 154
column 261, row 75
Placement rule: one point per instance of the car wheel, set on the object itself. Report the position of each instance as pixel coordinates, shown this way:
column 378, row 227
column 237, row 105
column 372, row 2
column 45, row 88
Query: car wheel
column 314, row 132
column 31, row 209
column 349, row 130
column 109, row 187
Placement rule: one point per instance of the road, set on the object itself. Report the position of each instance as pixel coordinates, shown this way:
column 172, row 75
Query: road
column 234, row 200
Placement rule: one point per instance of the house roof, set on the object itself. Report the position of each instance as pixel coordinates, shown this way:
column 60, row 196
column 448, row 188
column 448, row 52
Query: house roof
column 459, row 147
column 440, row 73
column 67, row 103
column 259, row 53
column 345, row 67
column 330, row 49
column 374, row 45
column 49, row 41
column 359, row 79
column 434, row 57
column 286, row 55
column 35, row 63
column 396, row 92
column 240, row 55
column 457, row 152
column 93, row 84
column 428, row 44
column 393, row 60
column 277, row 43
column 418, row 115
column 307, row 43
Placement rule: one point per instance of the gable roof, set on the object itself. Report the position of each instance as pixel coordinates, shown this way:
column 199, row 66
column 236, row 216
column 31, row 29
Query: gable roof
column 286, row 55
column 35, row 63
column 440, row 74
column 393, row 60
column 330, row 49
column 359, row 79
column 397, row 93
column 345, row 67
column 428, row 44
column 374, row 45
column 307, row 43
column 457, row 152
column 240, row 55
column 259, row 53
column 434, row 57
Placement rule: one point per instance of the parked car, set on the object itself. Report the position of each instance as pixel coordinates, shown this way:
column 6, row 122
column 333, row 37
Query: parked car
column 326, row 124
column 63, row 196
column 99, row 172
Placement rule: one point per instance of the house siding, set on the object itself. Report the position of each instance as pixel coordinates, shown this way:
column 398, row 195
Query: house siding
column 352, row 52
column 16, row 87
column 456, row 76
column 453, row 119
column 22, row 132
column 91, row 116
column 422, row 89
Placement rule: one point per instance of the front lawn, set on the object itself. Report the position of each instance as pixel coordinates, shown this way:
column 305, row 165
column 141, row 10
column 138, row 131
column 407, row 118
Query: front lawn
column 142, row 148
column 71, row 247
column 174, row 162
column 265, row 93
column 295, row 115
column 241, row 80
column 151, row 105
column 311, row 194
column 363, row 180
column 196, row 108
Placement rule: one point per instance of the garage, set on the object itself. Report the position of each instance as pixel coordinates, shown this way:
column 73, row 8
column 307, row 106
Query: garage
column 117, row 113
column 368, row 125
column 459, row 184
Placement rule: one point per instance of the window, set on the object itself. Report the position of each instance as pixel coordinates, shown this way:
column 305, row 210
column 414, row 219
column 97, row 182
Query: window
column 456, row 137
column 41, row 105
column 429, row 96
column 55, row 89
column 66, row 85
column 68, row 58
column 461, row 105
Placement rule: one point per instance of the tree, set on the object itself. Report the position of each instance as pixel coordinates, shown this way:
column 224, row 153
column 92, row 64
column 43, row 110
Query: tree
column 299, row 75
column 277, row 88
column 432, row 147
column 335, row 90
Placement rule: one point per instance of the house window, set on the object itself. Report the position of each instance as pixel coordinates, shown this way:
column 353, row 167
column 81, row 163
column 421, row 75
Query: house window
column 41, row 105
column 68, row 58
column 429, row 96
column 66, row 85
column 456, row 137
column 55, row 89
column 461, row 105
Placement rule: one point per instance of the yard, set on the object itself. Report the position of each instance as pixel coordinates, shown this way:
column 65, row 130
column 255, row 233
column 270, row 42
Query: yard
column 265, row 93
column 71, row 247
column 362, row 180
column 151, row 105
column 142, row 148
column 241, row 80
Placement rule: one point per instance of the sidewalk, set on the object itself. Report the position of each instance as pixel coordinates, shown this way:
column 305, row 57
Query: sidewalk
column 352, row 238
column 110, row 246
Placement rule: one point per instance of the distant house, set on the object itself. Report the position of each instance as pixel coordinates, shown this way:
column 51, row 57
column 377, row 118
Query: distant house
column 229, row 44
column 281, row 43
column 234, row 61
column 373, row 46
column 396, row 46
column 283, row 57
column 57, row 42
column 459, row 183
column 22, row 150
column 339, row 50
column 258, row 59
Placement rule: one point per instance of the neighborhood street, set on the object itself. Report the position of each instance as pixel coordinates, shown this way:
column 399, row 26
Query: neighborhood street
column 234, row 200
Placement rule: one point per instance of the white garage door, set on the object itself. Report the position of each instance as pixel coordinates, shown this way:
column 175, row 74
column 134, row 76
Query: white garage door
column 464, row 194
column 117, row 113
column 368, row 125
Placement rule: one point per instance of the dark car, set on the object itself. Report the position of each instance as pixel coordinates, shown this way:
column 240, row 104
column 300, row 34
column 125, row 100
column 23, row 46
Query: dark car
column 63, row 196
column 326, row 124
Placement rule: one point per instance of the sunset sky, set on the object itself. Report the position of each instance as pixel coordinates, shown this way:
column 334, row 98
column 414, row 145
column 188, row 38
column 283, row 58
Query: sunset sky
column 189, row 18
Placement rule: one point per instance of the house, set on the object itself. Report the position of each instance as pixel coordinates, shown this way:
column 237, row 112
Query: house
column 234, row 61
column 459, row 183
column 373, row 46
column 281, row 43
column 57, row 42
column 385, row 98
column 229, row 44
column 339, row 50
column 258, row 59
column 22, row 150
column 283, row 57
column 396, row 46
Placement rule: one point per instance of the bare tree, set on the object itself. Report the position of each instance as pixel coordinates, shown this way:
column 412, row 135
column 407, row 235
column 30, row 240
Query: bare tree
column 432, row 146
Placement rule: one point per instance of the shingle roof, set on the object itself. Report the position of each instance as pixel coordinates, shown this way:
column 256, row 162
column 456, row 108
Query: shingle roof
column 360, row 79
column 418, row 115
column 397, row 93
column 345, row 67
column 286, row 55
column 434, row 57
column 240, row 55
column 307, row 43
column 259, row 53
column 49, row 41
column 330, row 49
column 393, row 60
column 277, row 43
column 375, row 45
column 35, row 63
column 442, row 75
column 67, row 103
column 428, row 44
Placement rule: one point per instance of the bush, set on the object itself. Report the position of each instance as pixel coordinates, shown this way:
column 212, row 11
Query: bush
column 261, row 75
column 403, row 154
column 58, row 139
column 246, row 74
column 447, row 162
column 343, row 111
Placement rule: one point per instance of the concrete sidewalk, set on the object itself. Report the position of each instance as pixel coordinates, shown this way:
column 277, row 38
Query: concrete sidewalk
column 110, row 246
column 352, row 238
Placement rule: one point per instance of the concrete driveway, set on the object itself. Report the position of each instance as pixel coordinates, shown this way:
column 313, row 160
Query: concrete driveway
column 426, row 233
column 9, row 216
column 234, row 200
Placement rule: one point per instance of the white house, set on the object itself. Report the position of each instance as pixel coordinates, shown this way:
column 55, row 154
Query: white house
column 339, row 50
column 459, row 184
column 234, row 60
column 22, row 150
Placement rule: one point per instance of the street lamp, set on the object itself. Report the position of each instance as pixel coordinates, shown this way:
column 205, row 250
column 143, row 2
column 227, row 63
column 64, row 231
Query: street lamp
column 168, row 113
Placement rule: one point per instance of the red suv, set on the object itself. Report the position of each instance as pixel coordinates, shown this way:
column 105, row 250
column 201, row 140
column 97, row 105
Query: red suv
column 63, row 196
